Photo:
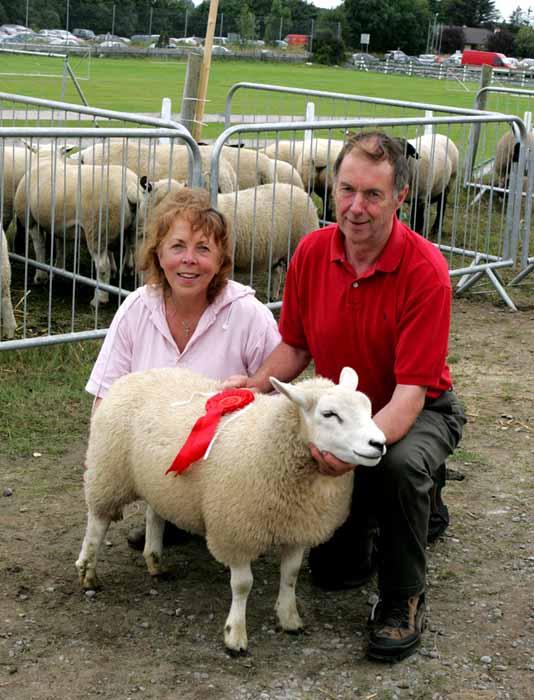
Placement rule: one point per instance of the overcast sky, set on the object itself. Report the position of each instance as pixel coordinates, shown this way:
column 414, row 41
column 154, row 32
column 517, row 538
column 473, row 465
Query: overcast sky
column 505, row 7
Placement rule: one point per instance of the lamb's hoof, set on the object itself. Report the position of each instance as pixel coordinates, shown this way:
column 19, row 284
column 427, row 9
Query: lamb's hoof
column 236, row 653
column 100, row 299
column 40, row 278
column 153, row 563
column 88, row 579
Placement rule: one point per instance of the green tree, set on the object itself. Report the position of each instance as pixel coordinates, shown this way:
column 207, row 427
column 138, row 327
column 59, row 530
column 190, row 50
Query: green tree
column 469, row 13
column 502, row 41
column 247, row 25
column 452, row 39
column 524, row 43
column 391, row 23
column 328, row 48
column 278, row 18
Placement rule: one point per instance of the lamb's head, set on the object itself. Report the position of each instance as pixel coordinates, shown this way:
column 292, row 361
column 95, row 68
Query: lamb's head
column 338, row 419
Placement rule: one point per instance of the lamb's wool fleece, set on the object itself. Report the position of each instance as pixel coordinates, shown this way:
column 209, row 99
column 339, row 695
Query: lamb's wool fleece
column 159, row 161
column 14, row 160
column 251, row 167
column 287, row 173
column 431, row 175
column 268, row 220
column 436, row 165
column 507, row 153
column 288, row 151
column 7, row 317
column 316, row 164
column 83, row 196
column 258, row 488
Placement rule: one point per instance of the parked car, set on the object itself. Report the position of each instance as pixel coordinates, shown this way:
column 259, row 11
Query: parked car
column 451, row 61
column 112, row 44
column 428, row 58
column 365, row 58
column 280, row 44
column 397, row 55
column 186, row 40
column 87, row 34
column 14, row 29
column 526, row 64
column 220, row 50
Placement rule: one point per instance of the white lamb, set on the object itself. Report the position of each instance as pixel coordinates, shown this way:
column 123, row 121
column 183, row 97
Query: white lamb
column 103, row 202
column 251, row 167
column 259, row 486
column 316, row 167
column 288, row 151
column 158, row 161
column 7, row 317
column 433, row 167
column 507, row 153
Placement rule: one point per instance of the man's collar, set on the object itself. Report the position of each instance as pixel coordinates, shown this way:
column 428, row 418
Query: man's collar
column 390, row 256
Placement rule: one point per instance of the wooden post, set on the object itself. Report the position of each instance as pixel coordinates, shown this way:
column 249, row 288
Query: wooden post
column 205, row 70
column 191, row 89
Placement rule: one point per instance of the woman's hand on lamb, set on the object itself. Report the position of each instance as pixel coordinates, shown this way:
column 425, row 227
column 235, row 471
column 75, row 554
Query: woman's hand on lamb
column 328, row 464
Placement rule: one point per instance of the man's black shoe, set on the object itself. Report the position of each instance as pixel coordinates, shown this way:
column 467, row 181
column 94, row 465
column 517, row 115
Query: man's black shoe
column 396, row 627
column 336, row 566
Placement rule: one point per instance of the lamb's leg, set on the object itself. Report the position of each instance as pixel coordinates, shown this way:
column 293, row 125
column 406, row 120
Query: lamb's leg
column 94, row 536
column 153, row 541
column 39, row 245
column 235, row 628
column 286, row 604
column 103, row 274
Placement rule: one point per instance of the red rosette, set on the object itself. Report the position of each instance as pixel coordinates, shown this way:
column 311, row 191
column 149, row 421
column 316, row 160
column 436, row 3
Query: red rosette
column 204, row 429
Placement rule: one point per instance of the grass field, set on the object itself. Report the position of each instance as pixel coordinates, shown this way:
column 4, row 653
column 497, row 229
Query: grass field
column 140, row 84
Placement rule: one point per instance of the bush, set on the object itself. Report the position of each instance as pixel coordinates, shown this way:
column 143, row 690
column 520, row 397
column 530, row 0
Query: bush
column 328, row 49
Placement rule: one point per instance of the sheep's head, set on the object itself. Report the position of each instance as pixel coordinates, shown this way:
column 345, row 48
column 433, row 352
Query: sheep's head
column 338, row 419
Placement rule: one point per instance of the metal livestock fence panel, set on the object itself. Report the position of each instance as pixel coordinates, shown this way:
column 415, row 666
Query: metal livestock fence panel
column 75, row 205
column 478, row 236
column 507, row 156
column 247, row 102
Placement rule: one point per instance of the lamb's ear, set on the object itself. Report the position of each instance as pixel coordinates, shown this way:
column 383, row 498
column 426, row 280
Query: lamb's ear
column 348, row 378
column 292, row 392
column 145, row 184
column 410, row 151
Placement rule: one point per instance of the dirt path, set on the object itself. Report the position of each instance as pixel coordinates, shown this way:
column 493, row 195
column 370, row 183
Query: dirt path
column 138, row 638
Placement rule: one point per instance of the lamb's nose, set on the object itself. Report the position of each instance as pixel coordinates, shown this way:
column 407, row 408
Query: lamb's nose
column 378, row 444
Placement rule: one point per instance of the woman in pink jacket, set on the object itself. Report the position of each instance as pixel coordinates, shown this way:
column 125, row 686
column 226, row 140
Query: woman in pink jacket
column 188, row 314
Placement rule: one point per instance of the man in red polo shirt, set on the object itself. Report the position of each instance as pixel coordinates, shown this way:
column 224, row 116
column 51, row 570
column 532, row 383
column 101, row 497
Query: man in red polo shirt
column 370, row 293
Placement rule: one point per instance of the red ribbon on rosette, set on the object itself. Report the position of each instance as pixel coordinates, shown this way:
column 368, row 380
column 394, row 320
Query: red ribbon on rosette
column 201, row 435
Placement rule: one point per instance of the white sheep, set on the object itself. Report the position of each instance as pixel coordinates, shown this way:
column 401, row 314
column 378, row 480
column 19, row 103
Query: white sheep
column 266, row 222
column 258, row 487
column 316, row 167
column 433, row 167
column 251, row 167
column 14, row 161
column 288, row 151
column 507, row 152
column 157, row 161
column 7, row 317
column 287, row 173
column 102, row 201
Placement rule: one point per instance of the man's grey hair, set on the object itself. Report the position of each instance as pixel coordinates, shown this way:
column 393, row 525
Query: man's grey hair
column 378, row 146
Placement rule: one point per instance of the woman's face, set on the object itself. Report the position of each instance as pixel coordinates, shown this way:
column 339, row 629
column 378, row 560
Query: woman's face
column 189, row 259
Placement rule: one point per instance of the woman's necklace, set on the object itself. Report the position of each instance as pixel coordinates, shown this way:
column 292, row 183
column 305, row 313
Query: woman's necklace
column 188, row 326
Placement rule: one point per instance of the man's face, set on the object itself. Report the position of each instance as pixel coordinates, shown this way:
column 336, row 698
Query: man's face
column 365, row 200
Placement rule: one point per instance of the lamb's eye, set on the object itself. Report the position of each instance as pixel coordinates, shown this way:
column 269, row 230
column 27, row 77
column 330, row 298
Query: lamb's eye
column 332, row 414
